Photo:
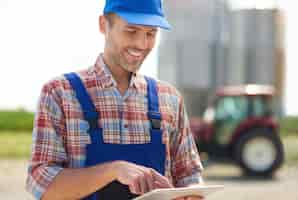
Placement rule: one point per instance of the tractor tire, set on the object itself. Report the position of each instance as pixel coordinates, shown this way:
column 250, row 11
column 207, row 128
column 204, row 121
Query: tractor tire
column 259, row 152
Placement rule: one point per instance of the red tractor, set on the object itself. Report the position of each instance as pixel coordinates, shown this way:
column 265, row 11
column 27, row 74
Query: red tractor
column 240, row 126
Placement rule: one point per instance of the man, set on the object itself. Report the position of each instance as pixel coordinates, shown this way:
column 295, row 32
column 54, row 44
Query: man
column 108, row 132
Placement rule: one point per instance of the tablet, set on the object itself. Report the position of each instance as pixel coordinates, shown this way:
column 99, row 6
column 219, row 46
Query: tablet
column 172, row 193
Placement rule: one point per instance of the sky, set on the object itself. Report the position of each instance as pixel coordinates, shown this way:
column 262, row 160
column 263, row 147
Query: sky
column 43, row 39
column 291, row 40
column 40, row 40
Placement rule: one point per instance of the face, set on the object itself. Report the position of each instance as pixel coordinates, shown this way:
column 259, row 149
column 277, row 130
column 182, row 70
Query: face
column 126, row 45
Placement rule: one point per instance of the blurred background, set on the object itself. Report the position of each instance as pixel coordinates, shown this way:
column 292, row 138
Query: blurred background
column 213, row 43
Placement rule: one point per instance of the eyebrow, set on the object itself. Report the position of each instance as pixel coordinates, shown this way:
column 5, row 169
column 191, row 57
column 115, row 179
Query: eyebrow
column 138, row 28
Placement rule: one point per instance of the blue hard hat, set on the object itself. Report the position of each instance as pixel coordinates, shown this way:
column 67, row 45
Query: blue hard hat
column 139, row 12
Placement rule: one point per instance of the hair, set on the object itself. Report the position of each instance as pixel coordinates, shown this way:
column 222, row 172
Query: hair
column 110, row 18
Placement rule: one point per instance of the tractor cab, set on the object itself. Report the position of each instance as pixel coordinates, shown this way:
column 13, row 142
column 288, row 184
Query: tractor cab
column 239, row 125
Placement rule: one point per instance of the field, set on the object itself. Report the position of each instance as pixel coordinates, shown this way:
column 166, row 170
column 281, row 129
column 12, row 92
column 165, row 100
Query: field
column 15, row 145
column 18, row 145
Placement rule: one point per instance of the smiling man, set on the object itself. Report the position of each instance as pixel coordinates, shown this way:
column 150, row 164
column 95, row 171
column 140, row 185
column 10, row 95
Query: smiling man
column 108, row 132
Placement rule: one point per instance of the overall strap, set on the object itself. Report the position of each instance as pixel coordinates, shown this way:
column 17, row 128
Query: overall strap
column 84, row 99
column 153, row 105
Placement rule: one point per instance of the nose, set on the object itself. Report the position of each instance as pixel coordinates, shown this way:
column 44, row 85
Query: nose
column 141, row 42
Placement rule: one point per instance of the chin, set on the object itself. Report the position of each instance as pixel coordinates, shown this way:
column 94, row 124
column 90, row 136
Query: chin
column 132, row 68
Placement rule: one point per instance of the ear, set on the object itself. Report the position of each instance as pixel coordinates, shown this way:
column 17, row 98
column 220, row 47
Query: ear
column 102, row 24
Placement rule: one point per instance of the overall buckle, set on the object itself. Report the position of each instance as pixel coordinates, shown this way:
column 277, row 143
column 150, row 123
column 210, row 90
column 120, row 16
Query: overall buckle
column 155, row 119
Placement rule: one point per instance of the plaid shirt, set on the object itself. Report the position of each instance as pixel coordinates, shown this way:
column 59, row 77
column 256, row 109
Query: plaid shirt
column 60, row 131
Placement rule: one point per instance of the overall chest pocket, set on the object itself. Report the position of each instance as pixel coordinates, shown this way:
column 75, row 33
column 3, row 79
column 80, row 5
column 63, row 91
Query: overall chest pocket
column 126, row 131
column 77, row 132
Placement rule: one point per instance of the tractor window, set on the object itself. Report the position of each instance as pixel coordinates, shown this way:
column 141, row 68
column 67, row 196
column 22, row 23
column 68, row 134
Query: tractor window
column 230, row 111
column 261, row 107
column 231, row 107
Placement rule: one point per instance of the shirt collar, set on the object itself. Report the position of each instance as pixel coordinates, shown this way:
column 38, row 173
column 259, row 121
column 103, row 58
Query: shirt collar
column 105, row 79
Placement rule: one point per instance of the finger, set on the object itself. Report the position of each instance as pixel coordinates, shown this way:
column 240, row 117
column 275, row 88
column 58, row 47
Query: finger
column 143, row 184
column 163, row 181
column 135, row 184
column 149, row 180
column 159, row 185
column 149, row 177
column 132, row 189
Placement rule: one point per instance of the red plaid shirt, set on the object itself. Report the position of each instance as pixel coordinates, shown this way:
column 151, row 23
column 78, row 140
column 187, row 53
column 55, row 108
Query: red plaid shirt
column 60, row 131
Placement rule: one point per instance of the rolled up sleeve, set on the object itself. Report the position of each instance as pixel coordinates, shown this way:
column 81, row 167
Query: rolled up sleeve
column 48, row 153
column 186, row 163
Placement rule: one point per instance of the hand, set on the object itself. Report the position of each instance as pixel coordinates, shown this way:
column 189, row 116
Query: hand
column 138, row 178
column 191, row 198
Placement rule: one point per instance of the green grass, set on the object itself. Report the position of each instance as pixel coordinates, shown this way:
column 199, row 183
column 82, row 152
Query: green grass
column 16, row 120
column 289, row 126
column 21, row 120
column 15, row 145
column 18, row 146
column 16, row 127
column 291, row 150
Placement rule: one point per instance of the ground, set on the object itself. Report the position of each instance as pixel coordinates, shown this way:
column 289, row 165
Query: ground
column 237, row 187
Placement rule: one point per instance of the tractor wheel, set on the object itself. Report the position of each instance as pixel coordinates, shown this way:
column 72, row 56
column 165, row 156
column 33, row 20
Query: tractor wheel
column 259, row 152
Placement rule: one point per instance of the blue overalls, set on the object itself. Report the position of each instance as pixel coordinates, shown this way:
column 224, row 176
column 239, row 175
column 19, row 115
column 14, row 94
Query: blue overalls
column 149, row 155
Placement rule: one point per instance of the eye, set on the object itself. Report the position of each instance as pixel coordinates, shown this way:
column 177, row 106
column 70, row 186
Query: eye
column 131, row 31
column 151, row 34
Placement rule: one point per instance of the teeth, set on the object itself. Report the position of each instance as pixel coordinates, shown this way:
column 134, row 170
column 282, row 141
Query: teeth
column 134, row 53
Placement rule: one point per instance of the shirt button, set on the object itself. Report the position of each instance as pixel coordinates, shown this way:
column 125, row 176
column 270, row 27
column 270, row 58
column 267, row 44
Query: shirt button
column 125, row 126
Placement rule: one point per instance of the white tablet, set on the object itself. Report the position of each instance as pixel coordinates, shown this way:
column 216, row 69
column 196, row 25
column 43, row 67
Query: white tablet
column 172, row 193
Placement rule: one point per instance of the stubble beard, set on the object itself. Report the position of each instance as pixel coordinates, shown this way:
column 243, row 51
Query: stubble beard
column 130, row 67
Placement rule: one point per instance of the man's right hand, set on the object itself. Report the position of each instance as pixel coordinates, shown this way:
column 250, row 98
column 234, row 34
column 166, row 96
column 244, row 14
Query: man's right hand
column 139, row 179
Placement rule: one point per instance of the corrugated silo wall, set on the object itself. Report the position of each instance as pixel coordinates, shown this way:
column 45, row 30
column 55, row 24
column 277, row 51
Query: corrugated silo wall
column 210, row 46
column 185, row 53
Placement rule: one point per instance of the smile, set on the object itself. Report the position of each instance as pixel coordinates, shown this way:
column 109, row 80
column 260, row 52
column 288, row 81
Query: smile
column 135, row 54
